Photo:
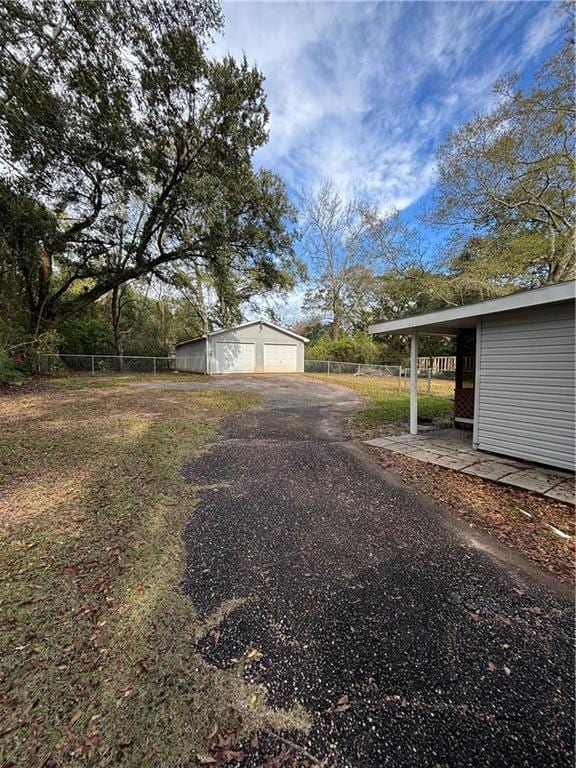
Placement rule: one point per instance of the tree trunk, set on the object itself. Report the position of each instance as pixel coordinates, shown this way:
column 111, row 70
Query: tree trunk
column 116, row 308
column 336, row 320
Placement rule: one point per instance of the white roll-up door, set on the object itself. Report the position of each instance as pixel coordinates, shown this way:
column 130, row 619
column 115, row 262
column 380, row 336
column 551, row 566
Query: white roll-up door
column 235, row 357
column 280, row 358
column 526, row 386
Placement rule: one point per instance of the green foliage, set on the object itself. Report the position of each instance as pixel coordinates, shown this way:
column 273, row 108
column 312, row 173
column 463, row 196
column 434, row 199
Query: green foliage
column 509, row 175
column 127, row 151
column 397, row 409
column 360, row 348
column 10, row 371
column 86, row 335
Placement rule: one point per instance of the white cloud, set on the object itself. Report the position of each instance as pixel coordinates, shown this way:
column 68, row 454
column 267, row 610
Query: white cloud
column 542, row 30
column 361, row 93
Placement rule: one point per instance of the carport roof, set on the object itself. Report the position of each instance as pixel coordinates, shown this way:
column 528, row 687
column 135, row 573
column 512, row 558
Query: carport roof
column 446, row 322
column 245, row 325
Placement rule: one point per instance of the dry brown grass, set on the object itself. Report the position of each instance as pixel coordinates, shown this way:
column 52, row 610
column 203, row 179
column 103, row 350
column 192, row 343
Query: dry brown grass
column 99, row 661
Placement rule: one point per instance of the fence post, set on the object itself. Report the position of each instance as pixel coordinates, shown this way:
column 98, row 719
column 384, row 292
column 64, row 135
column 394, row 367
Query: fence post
column 328, row 367
column 93, row 370
column 154, row 366
column 358, row 371
column 399, row 378
column 429, row 380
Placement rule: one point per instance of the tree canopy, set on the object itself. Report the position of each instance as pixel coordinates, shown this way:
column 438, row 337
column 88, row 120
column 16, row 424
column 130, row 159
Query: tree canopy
column 506, row 180
column 126, row 151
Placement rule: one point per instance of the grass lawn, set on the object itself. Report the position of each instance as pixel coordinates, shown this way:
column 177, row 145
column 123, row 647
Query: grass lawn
column 390, row 405
column 98, row 642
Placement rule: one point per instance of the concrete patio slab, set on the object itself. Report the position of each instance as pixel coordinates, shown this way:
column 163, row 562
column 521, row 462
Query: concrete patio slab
column 405, row 450
column 452, row 449
column 564, row 492
column 532, row 481
column 424, row 455
column 490, row 470
column 381, row 442
column 455, row 462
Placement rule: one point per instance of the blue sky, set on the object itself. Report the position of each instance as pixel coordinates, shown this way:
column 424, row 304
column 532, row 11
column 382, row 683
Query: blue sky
column 362, row 93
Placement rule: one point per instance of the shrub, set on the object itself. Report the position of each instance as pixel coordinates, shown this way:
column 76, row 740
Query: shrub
column 10, row 371
column 360, row 348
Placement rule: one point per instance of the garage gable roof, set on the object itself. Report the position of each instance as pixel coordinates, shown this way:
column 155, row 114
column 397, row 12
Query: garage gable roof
column 446, row 321
column 245, row 325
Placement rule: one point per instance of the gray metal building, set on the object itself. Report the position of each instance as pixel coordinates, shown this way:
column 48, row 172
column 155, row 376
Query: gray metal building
column 520, row 398
column 254, row 347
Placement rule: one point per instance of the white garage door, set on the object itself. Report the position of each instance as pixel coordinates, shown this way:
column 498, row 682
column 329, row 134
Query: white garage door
column 235, row 357
column 280, row 358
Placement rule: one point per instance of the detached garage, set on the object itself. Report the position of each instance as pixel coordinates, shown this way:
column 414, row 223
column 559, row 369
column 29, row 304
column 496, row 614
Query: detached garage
column 254, row 347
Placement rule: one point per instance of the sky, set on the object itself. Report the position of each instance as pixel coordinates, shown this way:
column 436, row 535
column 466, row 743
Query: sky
column 361, row 94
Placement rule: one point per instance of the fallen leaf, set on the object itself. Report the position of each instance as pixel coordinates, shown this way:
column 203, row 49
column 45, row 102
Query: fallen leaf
column 75, row 717
column 254, row 654
column 206, row 759
column 343, row 704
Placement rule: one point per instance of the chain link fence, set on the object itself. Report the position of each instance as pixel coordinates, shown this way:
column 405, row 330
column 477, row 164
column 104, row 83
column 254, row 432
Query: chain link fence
column 392, row 376
column 103, row 364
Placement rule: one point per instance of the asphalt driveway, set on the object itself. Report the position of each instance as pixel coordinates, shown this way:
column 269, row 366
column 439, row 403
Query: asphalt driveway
column 449, row 650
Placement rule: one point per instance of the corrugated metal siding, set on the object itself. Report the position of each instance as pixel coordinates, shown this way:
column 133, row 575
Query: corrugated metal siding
column 526, row 385
column 191, row 357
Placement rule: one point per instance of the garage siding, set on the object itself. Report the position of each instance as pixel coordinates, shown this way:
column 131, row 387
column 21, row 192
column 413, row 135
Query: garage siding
column 191, row 357
column 526, row 385
column 258, row 335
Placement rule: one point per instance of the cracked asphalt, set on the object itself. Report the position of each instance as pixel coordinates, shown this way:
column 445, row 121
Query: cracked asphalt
column 451, row 650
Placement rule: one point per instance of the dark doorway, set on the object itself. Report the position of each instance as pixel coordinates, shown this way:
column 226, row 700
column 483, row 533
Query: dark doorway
column 465, row 377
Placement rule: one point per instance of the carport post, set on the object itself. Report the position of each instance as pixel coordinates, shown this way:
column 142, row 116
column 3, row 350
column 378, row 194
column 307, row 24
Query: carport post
column 414, row 383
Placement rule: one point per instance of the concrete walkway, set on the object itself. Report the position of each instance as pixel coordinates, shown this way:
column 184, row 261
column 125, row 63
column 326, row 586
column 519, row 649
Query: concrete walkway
column 452, row 448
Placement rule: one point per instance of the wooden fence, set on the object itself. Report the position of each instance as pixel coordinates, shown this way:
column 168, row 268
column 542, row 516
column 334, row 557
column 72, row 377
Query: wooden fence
column 441, row 364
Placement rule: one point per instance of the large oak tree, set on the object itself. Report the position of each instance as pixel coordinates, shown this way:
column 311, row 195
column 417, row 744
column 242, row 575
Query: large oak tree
column 125, row 150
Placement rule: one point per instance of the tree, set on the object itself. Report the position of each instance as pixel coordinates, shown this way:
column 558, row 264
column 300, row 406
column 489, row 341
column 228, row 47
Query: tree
column 115, row 107
column 359, row 348
column 337, row 239
column 126, row 310
column 507, row 177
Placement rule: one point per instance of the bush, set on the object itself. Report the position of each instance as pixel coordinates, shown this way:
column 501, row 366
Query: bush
column 10, row 371
column 360, row 348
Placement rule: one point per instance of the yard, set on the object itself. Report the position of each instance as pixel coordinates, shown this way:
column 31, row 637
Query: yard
column 106, row 660
column 389, row 398
column 97, row 640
